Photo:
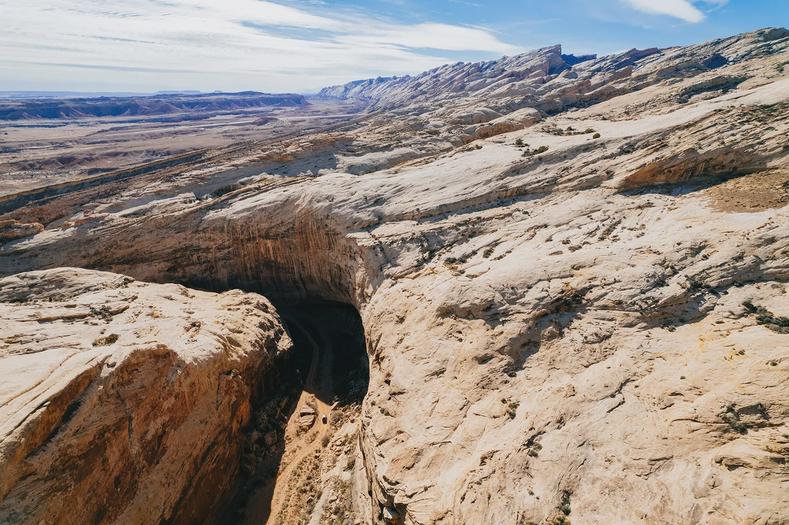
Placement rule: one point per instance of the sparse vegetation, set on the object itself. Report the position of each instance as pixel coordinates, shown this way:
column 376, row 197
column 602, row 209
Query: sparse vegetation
column 565, row 504
column 224, row 190
column 768, row 319
column 569, row 130
column 533, row 447
column 561, row 517
column 695, row 285
column 106, row 340
column 530, row 153
column 732, row 418
column 512, row 407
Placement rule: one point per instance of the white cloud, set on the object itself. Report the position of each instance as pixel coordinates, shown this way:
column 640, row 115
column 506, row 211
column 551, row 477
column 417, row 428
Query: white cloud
column 681, row 9
column 205, row 44
column 433, row 36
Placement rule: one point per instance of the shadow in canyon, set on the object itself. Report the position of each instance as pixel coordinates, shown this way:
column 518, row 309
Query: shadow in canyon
column 326, row 370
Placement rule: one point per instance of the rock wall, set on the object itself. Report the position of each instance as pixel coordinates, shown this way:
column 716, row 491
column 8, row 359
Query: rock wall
column 123, row 401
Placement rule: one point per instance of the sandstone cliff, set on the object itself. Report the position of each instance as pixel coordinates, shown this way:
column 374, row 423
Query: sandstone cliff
column 124, row 401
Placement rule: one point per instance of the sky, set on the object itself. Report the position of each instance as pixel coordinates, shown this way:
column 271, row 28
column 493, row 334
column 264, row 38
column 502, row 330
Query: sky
column 303, row 45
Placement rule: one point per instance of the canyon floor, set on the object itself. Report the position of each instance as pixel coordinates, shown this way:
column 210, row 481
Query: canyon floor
column 545, row 289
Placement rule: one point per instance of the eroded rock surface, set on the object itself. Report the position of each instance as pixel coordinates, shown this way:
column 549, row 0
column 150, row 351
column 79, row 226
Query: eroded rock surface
column 580, row 317
column 123, row 401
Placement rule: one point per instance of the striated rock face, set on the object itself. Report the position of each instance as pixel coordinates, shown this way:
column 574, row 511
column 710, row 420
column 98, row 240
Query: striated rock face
column 123, row 401
column 551, row 81
column 580, row 317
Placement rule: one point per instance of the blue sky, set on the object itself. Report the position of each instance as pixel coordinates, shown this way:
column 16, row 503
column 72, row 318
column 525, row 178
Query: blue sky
column 302, row 45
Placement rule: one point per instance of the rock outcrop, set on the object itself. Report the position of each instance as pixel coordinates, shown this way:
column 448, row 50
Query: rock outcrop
column 11, row 230
column 581, row 318
column 124, row 401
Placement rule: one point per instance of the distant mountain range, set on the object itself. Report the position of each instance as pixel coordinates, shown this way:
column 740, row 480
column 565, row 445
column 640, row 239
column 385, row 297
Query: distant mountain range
column 89, row 94
column 52, row 106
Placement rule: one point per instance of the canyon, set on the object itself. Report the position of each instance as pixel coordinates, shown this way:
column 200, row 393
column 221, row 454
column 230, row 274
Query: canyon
column 545, row 289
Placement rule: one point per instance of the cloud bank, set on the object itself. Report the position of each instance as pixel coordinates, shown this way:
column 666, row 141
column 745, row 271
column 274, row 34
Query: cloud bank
column 204, row 44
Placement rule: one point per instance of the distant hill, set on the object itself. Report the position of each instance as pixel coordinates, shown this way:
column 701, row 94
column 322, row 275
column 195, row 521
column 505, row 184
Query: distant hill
column 72, row 94
column 52, row 107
